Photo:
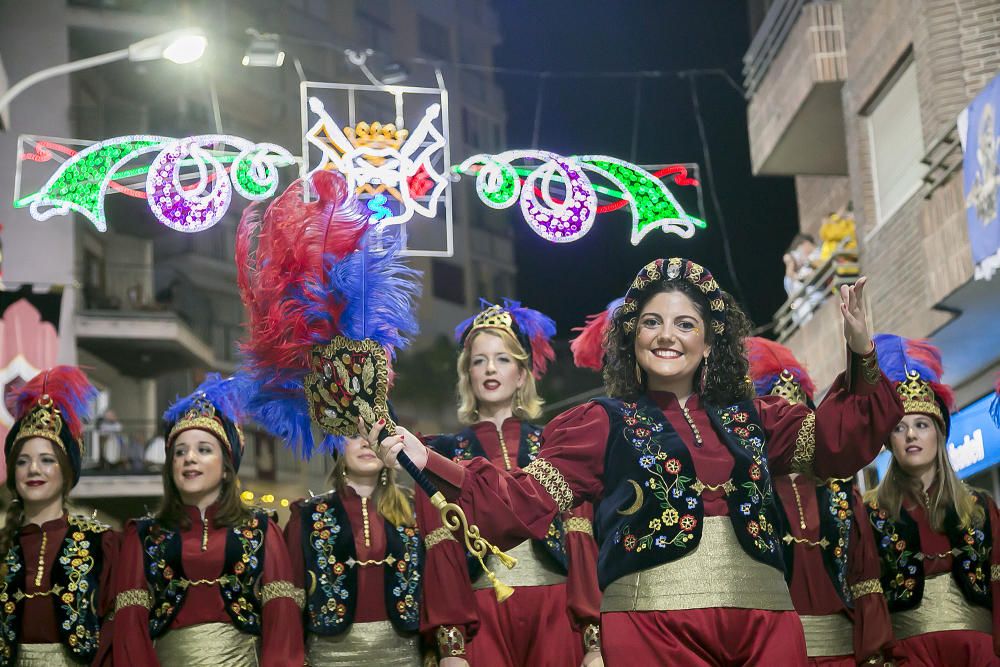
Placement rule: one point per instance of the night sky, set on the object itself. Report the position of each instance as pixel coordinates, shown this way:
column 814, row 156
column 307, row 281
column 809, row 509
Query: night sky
column 596, row 116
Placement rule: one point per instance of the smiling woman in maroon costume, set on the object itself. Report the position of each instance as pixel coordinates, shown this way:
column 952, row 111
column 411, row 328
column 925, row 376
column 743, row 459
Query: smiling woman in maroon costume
column 504, row 349
column 207, row 581
column 680, row 456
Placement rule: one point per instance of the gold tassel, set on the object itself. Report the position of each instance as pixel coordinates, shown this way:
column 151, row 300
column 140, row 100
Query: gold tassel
column 453, row 517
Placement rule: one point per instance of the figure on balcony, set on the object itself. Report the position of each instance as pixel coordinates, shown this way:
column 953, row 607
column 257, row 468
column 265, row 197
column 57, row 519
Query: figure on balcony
column 830, row 558
column 680, row 455
column 935, row 535
column 55, row 580
column 801, row 261
column 206, row 581
column 504, row 349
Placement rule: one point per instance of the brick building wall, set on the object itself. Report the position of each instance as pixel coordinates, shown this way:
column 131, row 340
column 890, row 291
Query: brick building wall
column 818, row 196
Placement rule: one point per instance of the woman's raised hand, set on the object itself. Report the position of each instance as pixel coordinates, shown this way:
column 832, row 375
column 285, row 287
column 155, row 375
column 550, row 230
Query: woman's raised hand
column 852, row 308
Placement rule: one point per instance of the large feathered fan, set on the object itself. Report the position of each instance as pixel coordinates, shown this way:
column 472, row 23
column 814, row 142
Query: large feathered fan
column 326, row 312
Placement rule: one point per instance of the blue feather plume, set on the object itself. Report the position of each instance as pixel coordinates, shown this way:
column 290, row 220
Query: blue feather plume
column 228, row 395
column 896, row 358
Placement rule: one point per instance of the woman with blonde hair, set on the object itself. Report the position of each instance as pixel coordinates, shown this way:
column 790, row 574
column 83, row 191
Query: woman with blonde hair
column 503, row 350
column 206, row 581
column 357, row 553
column 935, row 535
column 55, row 578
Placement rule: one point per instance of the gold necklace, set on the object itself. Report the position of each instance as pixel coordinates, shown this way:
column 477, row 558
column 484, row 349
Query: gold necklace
column 364, row 519
column 694, row 429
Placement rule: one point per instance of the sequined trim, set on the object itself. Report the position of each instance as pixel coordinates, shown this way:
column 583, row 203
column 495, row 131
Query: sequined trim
column 136, row 597
column 282, row 589
column 552, row 481
column 870, row 371
column 866, row 587
column 579, row 524
column 209, row 424
column 437, row 536
column 995, row 572
column 805, row 445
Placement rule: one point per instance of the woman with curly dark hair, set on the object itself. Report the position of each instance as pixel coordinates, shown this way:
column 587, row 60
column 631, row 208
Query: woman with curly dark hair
column 678, row 459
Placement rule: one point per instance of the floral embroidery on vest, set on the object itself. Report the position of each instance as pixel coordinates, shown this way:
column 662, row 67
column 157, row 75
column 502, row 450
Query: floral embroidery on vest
column 750, row 437
column 839, row 509
column 168, row 588
column 80, row 624
column 243, row 604
column 899, row 569
column 12, row 571
column 332, row 572
column 973, row 558
column 406, row 590
column 461, row 451
column 668, row 483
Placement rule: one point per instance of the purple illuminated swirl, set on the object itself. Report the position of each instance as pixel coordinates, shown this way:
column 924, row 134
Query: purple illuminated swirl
column 197, row 208
column 558, row 222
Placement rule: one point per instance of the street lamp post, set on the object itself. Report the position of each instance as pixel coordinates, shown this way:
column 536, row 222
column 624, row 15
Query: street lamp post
column 179, row 46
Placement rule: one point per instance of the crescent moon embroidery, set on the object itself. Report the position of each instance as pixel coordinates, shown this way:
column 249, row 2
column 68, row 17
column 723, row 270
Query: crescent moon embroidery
column 634, row 507
column 312, row 582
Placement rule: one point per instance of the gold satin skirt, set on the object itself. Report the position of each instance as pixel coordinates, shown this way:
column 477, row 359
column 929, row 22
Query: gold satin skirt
column 207, row 645
column 44, row 655
column 532, row 569
column 942, row 608
column 828, row 636
column 717, row 573
column 374, row 644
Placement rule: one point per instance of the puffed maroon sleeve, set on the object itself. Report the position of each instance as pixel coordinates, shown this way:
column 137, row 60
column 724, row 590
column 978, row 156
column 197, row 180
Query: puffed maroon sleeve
column 844, row 433
column 510, row 507
column 448, row 598
column 282, row 642
column 131, row 643
column 995, row 571
column 583, row 595
column 872, row 623
column 293, row 542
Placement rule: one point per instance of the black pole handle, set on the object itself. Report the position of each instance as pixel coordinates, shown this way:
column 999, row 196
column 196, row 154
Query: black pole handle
column 417, row 474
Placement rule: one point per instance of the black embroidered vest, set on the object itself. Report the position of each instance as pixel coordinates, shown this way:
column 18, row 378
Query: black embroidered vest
column 464, row 445
column 898, row 545
column 76, row 574
column 836, row 520
column 239, row 583
column 332, row 586
column 652, row 511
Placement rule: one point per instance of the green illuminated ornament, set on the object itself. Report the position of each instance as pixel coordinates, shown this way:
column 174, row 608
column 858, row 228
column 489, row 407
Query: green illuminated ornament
column 651, row 202
column 81, row 182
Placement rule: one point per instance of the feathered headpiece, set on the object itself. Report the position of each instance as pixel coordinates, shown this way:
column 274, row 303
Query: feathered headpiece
column 666, row 270
column 588, row 347
column 325, row 313
column 217, row 406
column 776, row 372
column 914, row 365
column 995, row 405
column 532, row 329
column 53, row 405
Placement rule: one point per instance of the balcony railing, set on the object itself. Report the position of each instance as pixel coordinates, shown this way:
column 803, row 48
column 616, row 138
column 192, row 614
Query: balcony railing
column 943, row 158
column 840, row 269
column 767, row 42
column 128, row 447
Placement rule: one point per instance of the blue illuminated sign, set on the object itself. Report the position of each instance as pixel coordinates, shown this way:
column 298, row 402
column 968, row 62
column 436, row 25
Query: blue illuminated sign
column 974, row 444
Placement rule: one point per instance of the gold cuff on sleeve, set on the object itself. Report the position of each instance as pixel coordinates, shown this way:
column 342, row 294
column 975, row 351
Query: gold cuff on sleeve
column 870, row 371
column 451, row 641
column 578, row 524
column 136, row 597
column 592, row 638
column 552, row 481
column 805, row 446
column 866, row 587
column 994, row 572
column 282, row 589
column 437, row 536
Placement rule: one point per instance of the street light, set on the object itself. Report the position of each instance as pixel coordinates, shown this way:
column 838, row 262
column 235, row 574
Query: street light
column 179, row 46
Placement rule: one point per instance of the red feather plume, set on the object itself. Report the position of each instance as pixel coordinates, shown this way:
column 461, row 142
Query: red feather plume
column 768, row 359
column 588, row 347
column 541, row 354
column 69, row 389
column 925, row 352
column 298, row 238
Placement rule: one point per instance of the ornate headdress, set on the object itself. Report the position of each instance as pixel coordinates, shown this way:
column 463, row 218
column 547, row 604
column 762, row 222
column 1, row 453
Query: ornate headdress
column 665, row 270
column 325, row 314
column 532, row 329
column 914, row 366
column 588, row 347
column 53, row 405
column 217, row 407
column 776, row 372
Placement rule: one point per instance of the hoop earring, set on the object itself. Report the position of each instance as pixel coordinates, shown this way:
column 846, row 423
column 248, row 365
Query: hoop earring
column 383, row 477
column 16, row 500
column 638, row 373
column 343, row 473
column 704, row 375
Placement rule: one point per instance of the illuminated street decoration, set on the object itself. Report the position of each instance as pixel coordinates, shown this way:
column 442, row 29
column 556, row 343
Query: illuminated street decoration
column 82, row 182
column 383, row 160
column 566, row 216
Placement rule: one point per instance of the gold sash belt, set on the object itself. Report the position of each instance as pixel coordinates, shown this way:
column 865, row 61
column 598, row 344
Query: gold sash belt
column 828, row 635
column 531, row 569
column 376, row 643
column 207, row 645
column 44, row 655
column 942, row 608
column 717, row 573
